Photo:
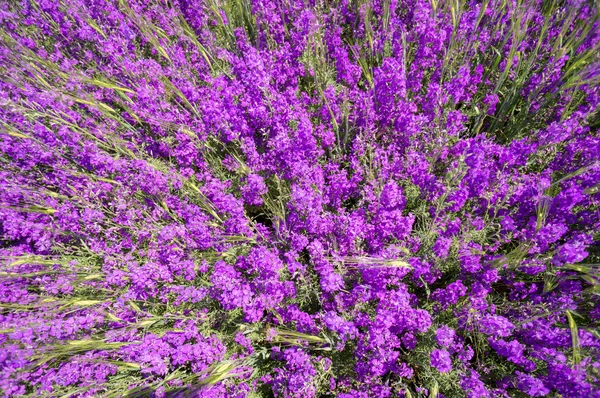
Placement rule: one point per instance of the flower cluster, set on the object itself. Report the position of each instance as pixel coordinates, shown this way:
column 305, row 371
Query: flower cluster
column 257, row 198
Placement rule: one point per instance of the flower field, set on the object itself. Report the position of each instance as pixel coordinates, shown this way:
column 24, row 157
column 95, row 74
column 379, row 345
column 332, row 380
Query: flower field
column 300, row 198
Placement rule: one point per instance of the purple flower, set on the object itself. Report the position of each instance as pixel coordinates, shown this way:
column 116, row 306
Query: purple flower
column 254, row 189
column 440, row 359
column 496, row 325
column 441, row 247
column 474, row 387
column 531, row 386
column 445, row 336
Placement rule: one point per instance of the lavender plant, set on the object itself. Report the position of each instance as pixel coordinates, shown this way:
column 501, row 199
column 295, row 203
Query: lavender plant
column 259, row 198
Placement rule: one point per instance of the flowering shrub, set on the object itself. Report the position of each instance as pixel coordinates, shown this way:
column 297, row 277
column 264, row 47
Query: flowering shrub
column 259, row 198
